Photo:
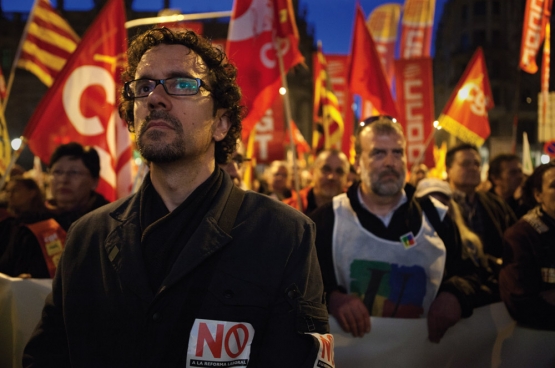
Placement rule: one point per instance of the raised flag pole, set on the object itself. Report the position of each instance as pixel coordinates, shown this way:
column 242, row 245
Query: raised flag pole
column 13, row 159
column 288, row 124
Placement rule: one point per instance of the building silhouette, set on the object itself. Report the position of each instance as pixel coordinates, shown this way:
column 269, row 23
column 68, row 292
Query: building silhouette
column 496, row 26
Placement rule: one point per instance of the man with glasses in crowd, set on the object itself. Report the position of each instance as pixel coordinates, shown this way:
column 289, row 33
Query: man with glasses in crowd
column 34, row 247
column 383, row 252
column 191, row 270
column 329, row 178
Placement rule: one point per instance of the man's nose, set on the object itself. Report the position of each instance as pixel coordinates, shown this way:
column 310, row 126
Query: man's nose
column 158, row 98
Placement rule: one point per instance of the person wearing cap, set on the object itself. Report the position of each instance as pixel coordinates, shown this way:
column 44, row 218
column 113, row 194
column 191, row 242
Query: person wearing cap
column 383, row 252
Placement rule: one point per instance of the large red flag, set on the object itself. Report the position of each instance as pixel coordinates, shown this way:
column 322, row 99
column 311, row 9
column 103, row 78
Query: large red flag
column 366, row 75
column 47, row 44
column 81, row 104
column 466, row 113
column 383, row 23
column 533, row 32
column 417, row 28
column 256, row 27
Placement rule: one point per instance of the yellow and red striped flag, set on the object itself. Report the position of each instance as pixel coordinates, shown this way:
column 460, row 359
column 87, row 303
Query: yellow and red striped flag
column 328, row 122
column 47, row 43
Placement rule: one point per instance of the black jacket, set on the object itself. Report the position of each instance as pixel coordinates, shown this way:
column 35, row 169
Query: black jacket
column 529, row 269
column 102, row 312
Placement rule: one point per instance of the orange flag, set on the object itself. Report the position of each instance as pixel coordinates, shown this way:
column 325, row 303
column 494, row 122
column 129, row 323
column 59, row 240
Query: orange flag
column 536, row 17
column 81, row 105
column 417, row 28
column 466, row 114
column 47, row 44
column 366, row 75
column 328, row 122
column 383, row 23
column 256, row 28
column 301, row 144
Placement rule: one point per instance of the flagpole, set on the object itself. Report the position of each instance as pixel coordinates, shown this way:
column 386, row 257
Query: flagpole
column 16, row 58
column 423, row 151
column 15, row 156
column 288, row 124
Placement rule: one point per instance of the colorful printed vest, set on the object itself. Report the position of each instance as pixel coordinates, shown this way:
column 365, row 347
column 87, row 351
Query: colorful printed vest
column 393, row 278
column 51, row 237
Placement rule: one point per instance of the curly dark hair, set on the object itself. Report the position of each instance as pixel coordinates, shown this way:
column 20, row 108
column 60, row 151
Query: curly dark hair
column 221, row 76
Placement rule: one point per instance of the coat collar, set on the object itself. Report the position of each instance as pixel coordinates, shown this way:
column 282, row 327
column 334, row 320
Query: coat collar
column 123, row 245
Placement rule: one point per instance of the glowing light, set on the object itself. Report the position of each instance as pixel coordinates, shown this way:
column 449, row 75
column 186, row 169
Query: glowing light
column 463, row 92
column 138, row 161
column 394, row 120
column 545, row 159
column 16, row 144
column 436, row 125
column 282, row 91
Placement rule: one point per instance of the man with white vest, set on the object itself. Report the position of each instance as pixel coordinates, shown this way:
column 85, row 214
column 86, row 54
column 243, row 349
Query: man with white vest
column 385, row 253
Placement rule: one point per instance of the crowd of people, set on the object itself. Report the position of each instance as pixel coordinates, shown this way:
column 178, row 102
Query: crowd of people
column 193, row 254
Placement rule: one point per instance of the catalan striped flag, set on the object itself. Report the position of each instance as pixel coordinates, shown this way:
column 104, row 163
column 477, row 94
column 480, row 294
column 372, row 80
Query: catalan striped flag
column 328, row 122
column 47, row 43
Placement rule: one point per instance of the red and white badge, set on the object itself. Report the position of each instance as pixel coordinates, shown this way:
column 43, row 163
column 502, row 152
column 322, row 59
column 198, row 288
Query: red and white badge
column 219, row 344
column 325, row 358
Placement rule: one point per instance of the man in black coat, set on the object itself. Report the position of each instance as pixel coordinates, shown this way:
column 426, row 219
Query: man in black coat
column 189, row 271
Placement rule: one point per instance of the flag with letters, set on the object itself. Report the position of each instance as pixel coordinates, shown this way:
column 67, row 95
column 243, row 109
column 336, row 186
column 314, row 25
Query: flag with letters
column 47, row 44
column 366, row 74
column 328, row 122
column 81, row 105
column 466, row 113
column 417, row 28
column 383, row 23
column 256, row 28
column 536, row 16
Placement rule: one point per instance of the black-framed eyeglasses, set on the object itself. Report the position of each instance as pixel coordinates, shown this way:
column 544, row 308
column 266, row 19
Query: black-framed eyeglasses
column 179, row 86
column 374, row 118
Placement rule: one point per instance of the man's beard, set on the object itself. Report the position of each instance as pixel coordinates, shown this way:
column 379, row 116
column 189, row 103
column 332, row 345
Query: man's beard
column 158, row 151
column 383, row 188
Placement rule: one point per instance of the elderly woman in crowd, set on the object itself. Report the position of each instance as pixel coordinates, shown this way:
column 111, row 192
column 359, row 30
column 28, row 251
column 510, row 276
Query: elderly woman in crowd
column 527, row 279
column 36, row 244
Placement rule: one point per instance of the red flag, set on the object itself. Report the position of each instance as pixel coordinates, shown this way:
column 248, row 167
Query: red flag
column 415, row 98
column 383, row 23
column 47, row 44
column 328, row 122
column 255, row 27
column 2, row 85
column 417, row 28
column 466, row 114
column 81, row 105
column 533, row 32
column 366, row 75
column 546, row 61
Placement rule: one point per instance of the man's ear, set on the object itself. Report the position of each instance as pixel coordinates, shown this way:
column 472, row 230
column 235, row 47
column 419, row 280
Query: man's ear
column 221, row 125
